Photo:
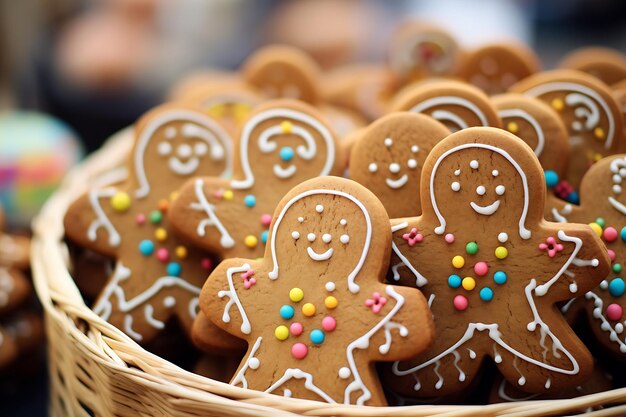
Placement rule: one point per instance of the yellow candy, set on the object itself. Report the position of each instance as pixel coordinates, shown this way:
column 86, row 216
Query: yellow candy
column 458, row 262
column 160, row 234
column 217, row 110
column 596, row 228
column 286, row 126
column 251, row 241
column 120, row 201
column 296, row 294
column 468, row 283
column 598, row 133
column 281, row 332
column 228, row 195
column 173, row 195
column 308, row 309
column 181, row 252
column 241, row 112
column 512, row 127
column 557, row 104
column 330, row 302
column 501, row 252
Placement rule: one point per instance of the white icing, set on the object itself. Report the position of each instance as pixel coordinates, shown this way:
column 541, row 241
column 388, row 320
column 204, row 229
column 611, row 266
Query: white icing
column 170, row 132
column 522, row 114
column 444, row 116
column 319, row 208
column 395, row 184
column 305, row 153
column 183, row 168
column 330, row 286
column 240, row 378
column 169, row 301
column 420, row 280
column 373, row 167
column 343, row 222
column 605, row 325
column 415, row 148
column 388, row 142
column 617, row 168
column 202, row 127
column 474, row 164
column 184, row 150
column 226, row 239
column 503, row 237
column 284, row 173
column 451, row 101
column 164, row 148
column 352, row 286
column 231, row 293
column 344, row 373
column 344, row 239
column 486, row 210
column 495, row 173
column 457, row 172
column 326, row 238
column 291, row 373
column 102, row 220
column 456, row 186
column 394, row 167
column 319, row 256
column 310, row 237
column 481, row 190
column 500, row 189
column 295, row 235
column 411, row 163
column 523, row 231
column 560, row 216
column 591, row 114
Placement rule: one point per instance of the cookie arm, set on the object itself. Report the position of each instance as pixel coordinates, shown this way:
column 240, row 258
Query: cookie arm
column 86, row 217
column 194, row 217
column 403, row 260
column 559, row 211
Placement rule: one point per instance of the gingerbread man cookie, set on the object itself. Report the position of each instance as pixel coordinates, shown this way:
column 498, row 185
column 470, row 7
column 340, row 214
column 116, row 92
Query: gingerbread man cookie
column 495, row 67
column 388, row 156
column 493, row 270
column 419, row 50
column 606, row 64
column 604, row 208
column 315, row 310
column 156, row 277
column 455, row 104
column 540, row 127
column 591, row 114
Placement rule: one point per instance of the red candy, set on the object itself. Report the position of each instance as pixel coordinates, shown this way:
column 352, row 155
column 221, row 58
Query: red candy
column 614, row 312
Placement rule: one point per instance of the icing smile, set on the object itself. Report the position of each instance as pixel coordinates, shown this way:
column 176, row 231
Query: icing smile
column 319, row 256
column 486, row 210
column 284, row 172
column 397, row 183
column 183, row 168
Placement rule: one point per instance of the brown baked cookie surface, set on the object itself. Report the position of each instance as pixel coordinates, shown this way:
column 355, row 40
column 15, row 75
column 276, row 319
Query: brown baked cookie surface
column 492, row 270
column 606, row 64
column 314, row 309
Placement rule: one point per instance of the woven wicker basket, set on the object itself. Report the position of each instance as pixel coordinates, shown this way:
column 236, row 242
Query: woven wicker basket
column 97, row 370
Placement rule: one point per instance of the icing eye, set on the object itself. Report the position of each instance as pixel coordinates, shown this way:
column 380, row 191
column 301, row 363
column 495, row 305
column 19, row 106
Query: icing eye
column 326, row 238
column 170, row 132
column 412, row 163
column 474, row 164
column 184, row 150
column 343, row 222
column 457, row 172
column 394, row 167
column 200, row 148
column 480, row 190
column 456, row 186
column 300, row 219
column 310, row 237
column 319, row 208
column 495, row 173
column 164, row 148
column 388, row 142
column 344, row 239
column 373, row 167
column 295, row 235
column 500, row 189
column 415, row 149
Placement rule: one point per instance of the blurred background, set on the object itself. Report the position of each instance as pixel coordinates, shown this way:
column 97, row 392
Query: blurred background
column 73, row 72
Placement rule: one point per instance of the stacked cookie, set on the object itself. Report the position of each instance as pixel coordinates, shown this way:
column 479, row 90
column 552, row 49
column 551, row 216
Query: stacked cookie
column 233, row 223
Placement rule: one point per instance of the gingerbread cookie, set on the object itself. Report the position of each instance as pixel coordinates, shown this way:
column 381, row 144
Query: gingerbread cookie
column 495, row 67
column 493, row 270
column 388, row 156
column 455, row 104
column 540, row 127
column 315, row 310
column 590, row 113
column 604, row 208
column 606, row 64
column 619, row 92
column 157, row 276
column 419, row 50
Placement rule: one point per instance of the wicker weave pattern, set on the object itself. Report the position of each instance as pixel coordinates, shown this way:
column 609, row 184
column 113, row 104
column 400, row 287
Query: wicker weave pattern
column 95, row 368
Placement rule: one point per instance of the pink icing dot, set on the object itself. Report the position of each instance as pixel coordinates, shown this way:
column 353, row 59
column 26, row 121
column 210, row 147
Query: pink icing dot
column 481, row 269
column 329, row 324
column 206, row 263
column 614, row 312
column 299, row 350
column 219, row 194
column 611, row 254
column 460, row 302
column 449, row 238
column 163, row 255
column 296, row 329
column 140, row 219
column 266, row 219
column 610, row 234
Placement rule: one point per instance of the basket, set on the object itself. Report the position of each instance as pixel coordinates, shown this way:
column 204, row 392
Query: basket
column 95, row 369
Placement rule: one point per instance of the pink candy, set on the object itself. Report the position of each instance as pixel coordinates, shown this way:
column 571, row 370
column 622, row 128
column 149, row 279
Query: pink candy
column 329, row 324
column 481, row 269
column 611, row 254
column 299, row 350
column 163, row 255
column 449, row 238
column 140, row 219
column 460, row 302
column 614, row 312
column 296, row 329
column 610, row 234
column 266, row 219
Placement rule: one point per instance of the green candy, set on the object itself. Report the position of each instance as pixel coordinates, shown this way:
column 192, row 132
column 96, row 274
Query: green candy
column 471, row 248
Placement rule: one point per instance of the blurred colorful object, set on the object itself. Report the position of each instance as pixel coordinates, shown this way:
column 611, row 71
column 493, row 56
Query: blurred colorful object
column 36, row 151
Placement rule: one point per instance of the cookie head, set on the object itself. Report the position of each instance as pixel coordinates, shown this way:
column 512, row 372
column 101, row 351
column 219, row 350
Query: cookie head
column 291, row 138
column 492, row 181
column 604, row 186
column 176, row 144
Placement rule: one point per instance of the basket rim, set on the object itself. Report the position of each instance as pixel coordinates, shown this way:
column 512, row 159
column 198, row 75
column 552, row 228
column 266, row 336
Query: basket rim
column 110, row 347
